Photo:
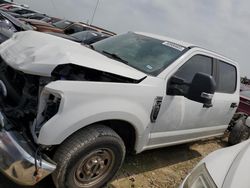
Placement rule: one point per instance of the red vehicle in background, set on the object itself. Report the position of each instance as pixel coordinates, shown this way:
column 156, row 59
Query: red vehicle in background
column 244, row 105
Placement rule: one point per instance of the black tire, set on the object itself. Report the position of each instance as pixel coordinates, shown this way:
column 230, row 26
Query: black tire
column 239, row 132
column 89, row 158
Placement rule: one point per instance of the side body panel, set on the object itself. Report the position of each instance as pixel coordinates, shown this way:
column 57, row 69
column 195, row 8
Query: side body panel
column 182, row 120
column 85, row 103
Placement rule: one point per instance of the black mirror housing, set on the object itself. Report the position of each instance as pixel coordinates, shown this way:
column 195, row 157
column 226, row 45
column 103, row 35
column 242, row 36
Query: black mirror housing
column 173, row 86
column 176, row 80
column 202, row 89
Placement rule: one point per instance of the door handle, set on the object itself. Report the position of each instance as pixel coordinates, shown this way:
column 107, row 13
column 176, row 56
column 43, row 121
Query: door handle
column 234, row 105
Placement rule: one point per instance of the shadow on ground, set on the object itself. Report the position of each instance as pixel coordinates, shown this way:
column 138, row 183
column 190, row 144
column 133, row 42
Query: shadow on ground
column 141, row 163
column 164, row 157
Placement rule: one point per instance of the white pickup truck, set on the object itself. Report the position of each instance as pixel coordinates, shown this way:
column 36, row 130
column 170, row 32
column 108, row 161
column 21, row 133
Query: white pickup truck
column 73, row 111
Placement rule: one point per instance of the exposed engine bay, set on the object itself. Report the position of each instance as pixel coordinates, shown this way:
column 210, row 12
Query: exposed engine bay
column 19, row 102
column 19, row 92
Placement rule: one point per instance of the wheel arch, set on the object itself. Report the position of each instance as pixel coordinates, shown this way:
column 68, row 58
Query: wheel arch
column 125, row 130
column 129, row 127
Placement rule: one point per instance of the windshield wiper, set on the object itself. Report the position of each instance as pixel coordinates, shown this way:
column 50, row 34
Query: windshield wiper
column 115, row 56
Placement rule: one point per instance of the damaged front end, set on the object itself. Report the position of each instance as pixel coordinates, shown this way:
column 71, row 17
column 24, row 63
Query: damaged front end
column 25, row 106
column 29, row 61
column 20, row 159
column 20, row 97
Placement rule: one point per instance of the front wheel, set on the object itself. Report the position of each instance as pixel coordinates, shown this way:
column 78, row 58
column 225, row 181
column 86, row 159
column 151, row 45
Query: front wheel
column 89, row 158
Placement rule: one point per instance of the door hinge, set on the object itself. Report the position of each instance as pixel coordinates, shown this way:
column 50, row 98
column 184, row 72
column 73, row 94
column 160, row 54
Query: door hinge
column 156, row 109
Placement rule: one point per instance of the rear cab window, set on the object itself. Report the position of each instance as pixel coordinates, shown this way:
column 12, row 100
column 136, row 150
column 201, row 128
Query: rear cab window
column 226, row 77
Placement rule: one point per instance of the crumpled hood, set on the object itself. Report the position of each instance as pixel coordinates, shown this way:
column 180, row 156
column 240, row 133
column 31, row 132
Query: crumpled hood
column 39, row 53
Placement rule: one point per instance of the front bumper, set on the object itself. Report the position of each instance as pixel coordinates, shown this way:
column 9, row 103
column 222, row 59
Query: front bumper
column 17, row 158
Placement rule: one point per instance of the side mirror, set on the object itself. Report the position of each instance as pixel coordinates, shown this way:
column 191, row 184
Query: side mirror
column 176, row 80
column 202, row 89
column 175, row 86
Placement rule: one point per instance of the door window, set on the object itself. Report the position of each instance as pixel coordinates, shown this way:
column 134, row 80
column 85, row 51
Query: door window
column 197, row 63
column 227, row 78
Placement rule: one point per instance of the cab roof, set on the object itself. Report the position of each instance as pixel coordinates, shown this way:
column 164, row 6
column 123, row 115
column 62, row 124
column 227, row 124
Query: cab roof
column 186, row 45
column 163, row 38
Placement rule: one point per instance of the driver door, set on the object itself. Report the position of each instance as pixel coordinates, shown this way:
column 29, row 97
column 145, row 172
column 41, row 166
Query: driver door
column 181, row 119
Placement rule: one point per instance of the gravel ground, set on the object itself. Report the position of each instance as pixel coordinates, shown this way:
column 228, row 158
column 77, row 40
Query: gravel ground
column 158, row 168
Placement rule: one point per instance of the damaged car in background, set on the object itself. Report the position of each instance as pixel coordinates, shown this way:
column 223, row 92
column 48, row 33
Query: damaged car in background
column 9, row 25
column 74, row 111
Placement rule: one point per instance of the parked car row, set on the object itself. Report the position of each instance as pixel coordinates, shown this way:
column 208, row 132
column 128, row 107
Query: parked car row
column 86, row 37
column 9, row 25
column 13, row 14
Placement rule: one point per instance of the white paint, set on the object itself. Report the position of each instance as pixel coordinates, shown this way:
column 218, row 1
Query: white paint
column 229, row 167
column 83, row 103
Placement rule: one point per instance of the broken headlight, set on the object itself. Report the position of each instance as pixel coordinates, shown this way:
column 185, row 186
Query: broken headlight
column 199, row 178
column 51, row 106
column 48, row 107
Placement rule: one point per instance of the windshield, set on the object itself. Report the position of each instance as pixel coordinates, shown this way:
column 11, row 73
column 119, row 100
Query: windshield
column 85, row 35
column 62, row 24
column 146, row 54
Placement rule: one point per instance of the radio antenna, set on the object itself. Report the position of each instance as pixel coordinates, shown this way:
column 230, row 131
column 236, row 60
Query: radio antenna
column 93, row 16
column 54, row 6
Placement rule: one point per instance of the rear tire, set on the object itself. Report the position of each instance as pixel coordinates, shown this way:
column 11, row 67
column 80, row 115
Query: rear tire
column 239, row 132
column 89, row 158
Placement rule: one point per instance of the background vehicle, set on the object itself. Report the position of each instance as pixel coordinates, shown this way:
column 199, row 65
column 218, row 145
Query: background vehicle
column 19, row 10
column 244, row 105
column 6, row 24
column 5, row 34
column 85, row 37
column 41, row 26
column 9, row 25
column 225, row 168
column 62, row 24
column 69, row 27
column 84, row 108
column 51, row 20
column 10, row 6
column 13, row 23
column 37, row 16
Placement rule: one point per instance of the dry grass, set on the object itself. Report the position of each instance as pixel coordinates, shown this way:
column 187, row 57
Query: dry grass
column 158, row 168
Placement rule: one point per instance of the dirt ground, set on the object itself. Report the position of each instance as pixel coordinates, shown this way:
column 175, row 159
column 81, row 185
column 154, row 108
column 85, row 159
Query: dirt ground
column 158, row 168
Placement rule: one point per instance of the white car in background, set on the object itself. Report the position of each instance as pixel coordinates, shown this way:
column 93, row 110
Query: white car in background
column 225, row 168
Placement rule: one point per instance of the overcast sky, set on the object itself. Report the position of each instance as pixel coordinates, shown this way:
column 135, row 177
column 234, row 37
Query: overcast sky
column 219, row 25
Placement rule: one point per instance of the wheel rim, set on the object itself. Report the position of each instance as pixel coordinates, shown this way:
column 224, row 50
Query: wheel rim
column 94, row 167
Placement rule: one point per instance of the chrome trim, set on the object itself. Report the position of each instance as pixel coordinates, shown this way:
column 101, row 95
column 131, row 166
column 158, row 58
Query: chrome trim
column 17, row 158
